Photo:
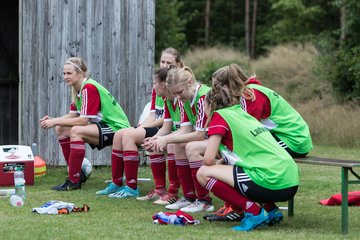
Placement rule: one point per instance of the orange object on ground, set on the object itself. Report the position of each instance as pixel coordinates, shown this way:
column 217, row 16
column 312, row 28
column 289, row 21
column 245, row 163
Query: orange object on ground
column 40, row 166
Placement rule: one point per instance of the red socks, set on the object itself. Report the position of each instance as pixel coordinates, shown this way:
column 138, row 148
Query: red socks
column 131, row 163
column 158, row 169
column 202, row 193
column 173, row 176
column 65, row 146
column 231, row 196
column 77, row 154
column 117, row 167
column 184, row 173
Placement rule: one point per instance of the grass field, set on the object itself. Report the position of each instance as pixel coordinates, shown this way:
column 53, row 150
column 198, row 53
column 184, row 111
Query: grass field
column 131, row 219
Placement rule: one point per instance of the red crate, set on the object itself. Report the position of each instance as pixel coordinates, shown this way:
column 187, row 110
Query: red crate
column 12, row 157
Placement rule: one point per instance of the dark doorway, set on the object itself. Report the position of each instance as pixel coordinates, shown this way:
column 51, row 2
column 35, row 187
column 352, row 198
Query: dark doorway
column 9, row 74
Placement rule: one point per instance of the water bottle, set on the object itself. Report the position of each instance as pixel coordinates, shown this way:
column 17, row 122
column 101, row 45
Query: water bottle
column 173, row 219
column 19, row 182
column 162, row 218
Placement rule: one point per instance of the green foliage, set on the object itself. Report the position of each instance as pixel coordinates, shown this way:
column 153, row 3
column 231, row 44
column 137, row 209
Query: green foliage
column 204, row 62
column 169, row 26
column 340, row 62
column 294, row 21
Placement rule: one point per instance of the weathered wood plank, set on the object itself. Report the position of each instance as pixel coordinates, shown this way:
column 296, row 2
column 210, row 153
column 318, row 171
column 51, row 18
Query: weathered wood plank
column 116, row 39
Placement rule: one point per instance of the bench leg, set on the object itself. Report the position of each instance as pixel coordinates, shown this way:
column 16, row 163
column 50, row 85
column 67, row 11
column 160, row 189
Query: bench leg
column 344, row 200
column 291, row 207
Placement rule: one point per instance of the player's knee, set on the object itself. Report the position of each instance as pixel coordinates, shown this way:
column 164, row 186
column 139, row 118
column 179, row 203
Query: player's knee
column 201, row 175
column 59, row 131
column 76, row 132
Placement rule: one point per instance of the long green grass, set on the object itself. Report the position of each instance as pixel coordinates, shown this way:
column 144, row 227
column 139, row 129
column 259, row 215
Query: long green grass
column 131, row 219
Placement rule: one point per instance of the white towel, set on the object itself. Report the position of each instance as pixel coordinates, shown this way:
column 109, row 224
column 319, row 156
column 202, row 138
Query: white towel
column 52, row 207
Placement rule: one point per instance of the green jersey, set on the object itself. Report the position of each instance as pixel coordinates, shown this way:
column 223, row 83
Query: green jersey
column 189, row 107
column 111, row 112
column 285, row 122
column 159, row 107
column 257, row 152
column 173, row 114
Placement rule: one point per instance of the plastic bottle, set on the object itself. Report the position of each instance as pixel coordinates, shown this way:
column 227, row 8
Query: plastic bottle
column 16, row 201
column 162, row 218
column 19, row 182
column 173, row 219
column 7, row 192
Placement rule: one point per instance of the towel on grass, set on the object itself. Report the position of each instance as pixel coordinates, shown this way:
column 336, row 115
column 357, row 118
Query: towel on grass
column 353, row 199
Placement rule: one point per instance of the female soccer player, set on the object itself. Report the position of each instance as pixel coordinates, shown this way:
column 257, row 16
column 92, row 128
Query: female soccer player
column 94, row 117
column 258, row 170
column 125, row 155
column 183, row 85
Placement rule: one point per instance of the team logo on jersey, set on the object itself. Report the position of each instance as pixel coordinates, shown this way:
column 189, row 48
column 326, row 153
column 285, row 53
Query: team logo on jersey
column 258, row 131
column 159, row 113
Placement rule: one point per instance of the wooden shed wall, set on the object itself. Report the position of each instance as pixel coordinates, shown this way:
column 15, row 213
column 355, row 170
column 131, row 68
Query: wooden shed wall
column 9, row 72
column 116, row 39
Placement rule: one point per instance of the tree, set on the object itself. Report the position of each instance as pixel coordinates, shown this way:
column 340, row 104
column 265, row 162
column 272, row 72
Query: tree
column 207, row 22
column 169, row 26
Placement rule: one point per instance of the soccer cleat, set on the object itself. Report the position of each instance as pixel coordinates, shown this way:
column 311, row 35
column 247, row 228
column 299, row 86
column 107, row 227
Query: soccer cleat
column 155, row 194
column 275, row 216
column 228, row 214
column 250, row 222
column 67, row 185
column 168, row 198
column 198, row 206
column 83, row 177
column 110, row 188
column 181, row 203
column 218, row 212
column 125, row 192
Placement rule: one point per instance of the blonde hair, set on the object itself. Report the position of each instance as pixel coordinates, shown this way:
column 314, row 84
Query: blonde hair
column 80, row 67
column 180, row 76
column 176, row 55
column 228, row 86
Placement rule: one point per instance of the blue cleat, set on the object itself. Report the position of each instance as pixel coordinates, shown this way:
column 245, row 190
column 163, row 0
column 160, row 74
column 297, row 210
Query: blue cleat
column 275, row 216
column 125, row 192
column 110, row 188
column 250, row 222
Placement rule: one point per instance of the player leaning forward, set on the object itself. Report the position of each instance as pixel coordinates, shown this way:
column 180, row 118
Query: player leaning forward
column 93, row 118
column 258, row 172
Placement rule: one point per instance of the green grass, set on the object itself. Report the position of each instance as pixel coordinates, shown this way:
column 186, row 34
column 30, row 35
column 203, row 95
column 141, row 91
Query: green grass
column 131, row 219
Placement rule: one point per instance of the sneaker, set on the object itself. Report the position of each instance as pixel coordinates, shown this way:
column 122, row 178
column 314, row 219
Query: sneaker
column 228, row 214
column 110, row 188
column 125, row 192
column 218, row 212
column 275, row 216
column 67, row 185
column 83, row 177
column 250, row 222
column 155, row 194
column 181, row 203
column 198, row 206
column 168, row 198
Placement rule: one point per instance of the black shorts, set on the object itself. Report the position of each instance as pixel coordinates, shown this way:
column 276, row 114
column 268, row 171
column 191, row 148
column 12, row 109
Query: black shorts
column 149, row 132
column 291, row 152
column 259, row 194
column 106, row 136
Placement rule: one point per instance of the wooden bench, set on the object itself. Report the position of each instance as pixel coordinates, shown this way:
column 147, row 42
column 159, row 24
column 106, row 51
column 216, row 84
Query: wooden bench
column 346, row 167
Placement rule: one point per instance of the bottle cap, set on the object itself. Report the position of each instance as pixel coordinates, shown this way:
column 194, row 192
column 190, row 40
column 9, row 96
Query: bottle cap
column 16, row 201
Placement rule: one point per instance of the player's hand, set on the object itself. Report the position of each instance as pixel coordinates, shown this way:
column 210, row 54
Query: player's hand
column 44, row 118
column 161, row 143
column 49, row 123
